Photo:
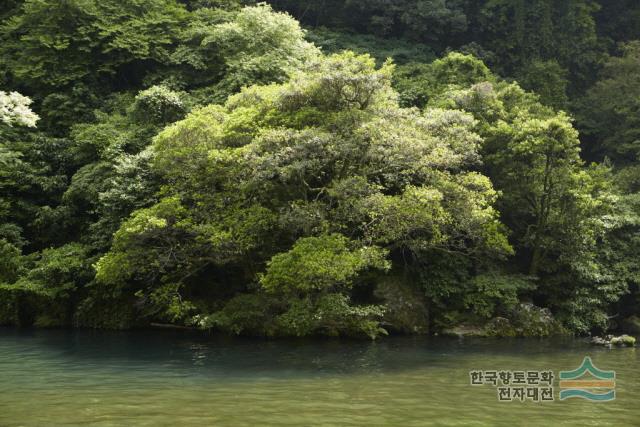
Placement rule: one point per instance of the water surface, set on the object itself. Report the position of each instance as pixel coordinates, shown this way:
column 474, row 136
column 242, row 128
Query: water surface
column 158, row 378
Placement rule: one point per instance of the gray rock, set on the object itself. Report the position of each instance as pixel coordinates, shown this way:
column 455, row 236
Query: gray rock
column 610, row 341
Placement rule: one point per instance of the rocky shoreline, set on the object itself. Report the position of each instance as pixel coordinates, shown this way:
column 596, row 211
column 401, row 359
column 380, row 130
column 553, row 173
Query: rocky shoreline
column 614, row 341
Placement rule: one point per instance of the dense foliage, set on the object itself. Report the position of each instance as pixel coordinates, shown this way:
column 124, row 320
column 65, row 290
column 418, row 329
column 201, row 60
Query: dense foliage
column 403, row 167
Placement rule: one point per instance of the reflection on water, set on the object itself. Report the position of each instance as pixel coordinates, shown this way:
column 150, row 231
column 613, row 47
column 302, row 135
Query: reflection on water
column 156, row 378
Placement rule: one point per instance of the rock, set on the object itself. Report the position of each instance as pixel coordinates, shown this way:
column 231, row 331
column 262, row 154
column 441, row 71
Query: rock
column 500, row 327
column 623, row 341
column 464, row 330
column 610, row 340
column 629, row 341
column 525, row 320
column 406, row 311
column 532, row 321
column 600, row 341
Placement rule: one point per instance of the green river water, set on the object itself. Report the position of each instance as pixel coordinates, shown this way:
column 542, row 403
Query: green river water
column 167, row 378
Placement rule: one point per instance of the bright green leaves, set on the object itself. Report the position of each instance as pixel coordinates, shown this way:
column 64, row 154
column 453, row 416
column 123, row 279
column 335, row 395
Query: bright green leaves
column 184, row 145
column 315, row 276
column 459, row 69
column 418, row 83
column 415, row 219
column 160, row 105
column 270, row 184
column 43, row 292
column 339, row 82
column 328, row 92
column 554, row 208
column 493, row 290
column 56, row 272
column 280, row 209
column 332, row 315
column 539, row 170
column 259, row 46
column 455, row 213
column 320, row 264
column 402, row 147
column 167, row 304
column 130, row 258
column 239, row 230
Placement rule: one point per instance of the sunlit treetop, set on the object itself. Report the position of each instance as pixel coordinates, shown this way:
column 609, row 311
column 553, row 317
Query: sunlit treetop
column 14, row 110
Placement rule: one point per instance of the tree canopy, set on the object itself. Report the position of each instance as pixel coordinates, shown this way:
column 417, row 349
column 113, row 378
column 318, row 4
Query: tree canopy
column 374, row 168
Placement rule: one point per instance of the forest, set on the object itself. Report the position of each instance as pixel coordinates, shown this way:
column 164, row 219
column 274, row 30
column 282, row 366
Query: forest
column 303, row 167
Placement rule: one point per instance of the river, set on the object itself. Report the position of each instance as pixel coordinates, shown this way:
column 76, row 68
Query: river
column 175, row 378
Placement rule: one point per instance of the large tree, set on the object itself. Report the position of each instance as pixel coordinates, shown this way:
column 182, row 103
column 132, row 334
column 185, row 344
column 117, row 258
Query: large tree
column 556, row 208
column 297, row 193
